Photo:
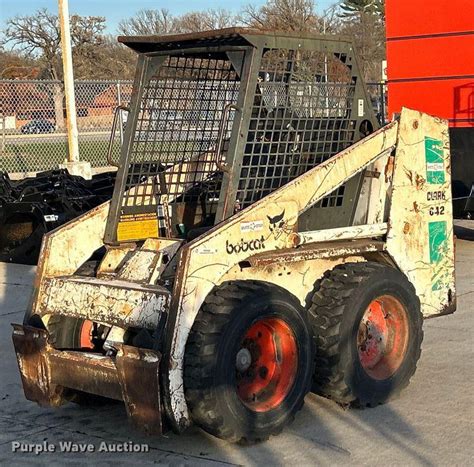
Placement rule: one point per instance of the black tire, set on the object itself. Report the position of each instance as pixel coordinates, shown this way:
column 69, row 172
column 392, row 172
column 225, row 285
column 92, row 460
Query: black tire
column 339, row 303
column 65, row 332
column 210, row 374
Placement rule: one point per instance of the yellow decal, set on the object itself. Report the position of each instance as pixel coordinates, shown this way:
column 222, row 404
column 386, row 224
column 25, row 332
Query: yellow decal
column 137, row 227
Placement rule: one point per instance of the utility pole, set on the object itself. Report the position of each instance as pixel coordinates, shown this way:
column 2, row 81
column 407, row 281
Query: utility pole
column 73, row 164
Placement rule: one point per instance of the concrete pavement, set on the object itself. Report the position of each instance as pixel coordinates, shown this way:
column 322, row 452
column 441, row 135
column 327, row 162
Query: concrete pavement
column 432, row 423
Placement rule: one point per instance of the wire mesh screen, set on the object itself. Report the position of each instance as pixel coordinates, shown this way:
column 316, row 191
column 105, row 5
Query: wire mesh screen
column 181, row 140
column 301, row 116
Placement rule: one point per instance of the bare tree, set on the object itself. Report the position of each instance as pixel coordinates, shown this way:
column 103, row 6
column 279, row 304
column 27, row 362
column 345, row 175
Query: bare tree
column 39, row 36
column 364, row 20
column 330, row 22
column 283, row 15
column 14, row 66
column 204, row 20
column 148, row 22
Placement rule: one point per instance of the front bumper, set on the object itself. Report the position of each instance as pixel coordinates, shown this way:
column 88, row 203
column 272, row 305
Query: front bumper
column 132, row 375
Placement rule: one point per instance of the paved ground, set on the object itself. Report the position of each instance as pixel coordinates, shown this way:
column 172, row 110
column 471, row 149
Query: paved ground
column 432, row 422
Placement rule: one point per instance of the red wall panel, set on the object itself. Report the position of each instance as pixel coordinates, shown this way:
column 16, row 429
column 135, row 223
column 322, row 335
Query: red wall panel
column 420, row 17
column 430, row 58
column 440, row 56
column 451, row 99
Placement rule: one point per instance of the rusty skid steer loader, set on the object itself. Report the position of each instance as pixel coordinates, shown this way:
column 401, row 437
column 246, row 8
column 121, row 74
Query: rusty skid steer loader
column 274, row 243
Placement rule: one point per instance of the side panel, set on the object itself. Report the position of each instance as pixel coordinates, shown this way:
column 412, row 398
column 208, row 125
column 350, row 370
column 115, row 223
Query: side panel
column 420, row 236
column 63, row 250
column 298, row 277
column 454, row 98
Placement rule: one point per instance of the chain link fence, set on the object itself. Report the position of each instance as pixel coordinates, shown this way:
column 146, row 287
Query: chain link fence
column 33, row 122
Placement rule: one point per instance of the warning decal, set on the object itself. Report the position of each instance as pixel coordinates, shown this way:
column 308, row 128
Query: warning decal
column 137, row 227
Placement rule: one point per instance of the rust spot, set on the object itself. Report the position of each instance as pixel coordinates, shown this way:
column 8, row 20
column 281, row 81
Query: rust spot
column 409, row 175
column 419, row 182
column 415, row 124
column 389, row 169
column 406, row 228
column 293, row 240
column 416, row 207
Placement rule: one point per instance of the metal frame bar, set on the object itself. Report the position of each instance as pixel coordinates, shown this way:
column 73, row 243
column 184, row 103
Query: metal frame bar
column 340, row 233
column 143, row 66
column 238, row 139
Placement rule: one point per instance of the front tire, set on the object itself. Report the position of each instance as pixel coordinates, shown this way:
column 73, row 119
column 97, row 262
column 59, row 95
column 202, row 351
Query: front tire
column 248, row 362
column 368, row 326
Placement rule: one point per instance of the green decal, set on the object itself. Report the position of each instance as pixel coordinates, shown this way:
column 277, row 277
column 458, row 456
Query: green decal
column 437, row 238
column 434, row 160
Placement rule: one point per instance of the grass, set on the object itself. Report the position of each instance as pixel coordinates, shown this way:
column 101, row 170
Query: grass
column 47, row 155
column 32, row 157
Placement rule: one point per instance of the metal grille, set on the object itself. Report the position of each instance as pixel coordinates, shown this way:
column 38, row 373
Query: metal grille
column 174, row 154
column 301, row 117
column 33, row 122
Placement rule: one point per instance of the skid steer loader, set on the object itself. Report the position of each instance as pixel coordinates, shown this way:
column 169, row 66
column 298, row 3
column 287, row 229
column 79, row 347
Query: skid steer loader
column 264, row 239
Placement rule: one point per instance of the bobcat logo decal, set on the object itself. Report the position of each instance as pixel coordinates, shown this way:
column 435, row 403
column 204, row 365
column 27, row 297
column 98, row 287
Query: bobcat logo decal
column 276, row 222
column 278, row 225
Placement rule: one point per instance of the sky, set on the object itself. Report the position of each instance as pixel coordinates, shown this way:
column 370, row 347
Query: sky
column 116, row 10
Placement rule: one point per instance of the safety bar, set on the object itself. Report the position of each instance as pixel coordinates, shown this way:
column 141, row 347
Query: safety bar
column 110, row 161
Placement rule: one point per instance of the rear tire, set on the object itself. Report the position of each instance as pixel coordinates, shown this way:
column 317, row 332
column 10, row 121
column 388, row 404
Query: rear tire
column 248, row 362
column 368, row 326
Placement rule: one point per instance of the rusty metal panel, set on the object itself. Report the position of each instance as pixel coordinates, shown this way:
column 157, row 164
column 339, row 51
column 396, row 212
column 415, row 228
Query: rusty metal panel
column 31, row 346
column 138, row 371
column 65, row 249
column 340, row 233
column 113, row 258
column 131, row 376
column 420, row 238
column 82, row 371
column 140, row 266
column 116, row 302
column 297, row 277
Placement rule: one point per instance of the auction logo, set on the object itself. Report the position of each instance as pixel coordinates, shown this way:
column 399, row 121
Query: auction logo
column 243, row 246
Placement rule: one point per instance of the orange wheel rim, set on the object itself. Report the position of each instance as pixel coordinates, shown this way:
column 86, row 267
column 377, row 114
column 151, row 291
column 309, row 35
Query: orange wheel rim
column 266, row 364
column 382, row 338
column 85, row 335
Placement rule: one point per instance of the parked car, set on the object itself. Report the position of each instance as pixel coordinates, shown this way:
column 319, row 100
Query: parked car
column 38, row 126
